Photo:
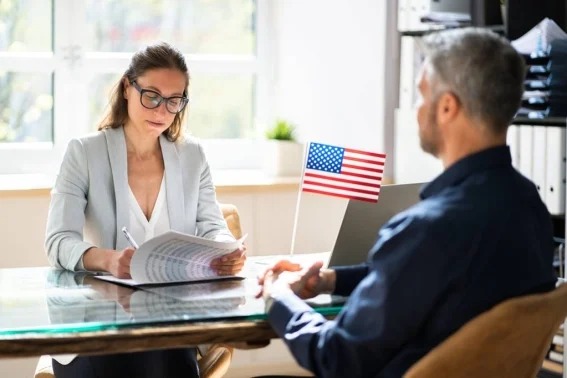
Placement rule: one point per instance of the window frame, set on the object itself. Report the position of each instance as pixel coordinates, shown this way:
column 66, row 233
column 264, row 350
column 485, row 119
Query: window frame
column 68, row 61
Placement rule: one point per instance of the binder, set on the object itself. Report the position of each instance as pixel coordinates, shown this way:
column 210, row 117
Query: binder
column 539, row 167
column 526, row 149
column 418, row 8
column 555, row 175
column 403, row 15
column 513, row 142
column 407, row 73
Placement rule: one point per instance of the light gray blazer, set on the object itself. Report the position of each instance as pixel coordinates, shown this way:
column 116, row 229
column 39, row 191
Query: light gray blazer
column 89, row 202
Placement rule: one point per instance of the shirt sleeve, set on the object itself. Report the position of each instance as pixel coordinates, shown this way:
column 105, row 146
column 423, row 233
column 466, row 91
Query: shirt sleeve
column 66, row 218
column 348, row 277
column 405, row 273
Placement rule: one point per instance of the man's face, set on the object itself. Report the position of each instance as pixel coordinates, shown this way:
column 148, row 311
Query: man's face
column 429, row 135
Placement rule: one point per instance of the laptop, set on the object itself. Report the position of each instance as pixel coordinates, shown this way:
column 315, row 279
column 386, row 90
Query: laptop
column 362, row 220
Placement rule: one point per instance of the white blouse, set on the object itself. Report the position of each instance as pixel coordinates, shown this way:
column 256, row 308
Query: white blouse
column 140, row 227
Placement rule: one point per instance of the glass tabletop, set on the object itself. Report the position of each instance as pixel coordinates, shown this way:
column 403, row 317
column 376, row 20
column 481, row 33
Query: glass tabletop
column 47, row 300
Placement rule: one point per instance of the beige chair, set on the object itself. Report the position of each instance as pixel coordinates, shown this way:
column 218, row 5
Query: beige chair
column 509, row 340
column 216, row 361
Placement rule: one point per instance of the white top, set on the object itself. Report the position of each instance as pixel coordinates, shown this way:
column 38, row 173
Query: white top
column 139, row 226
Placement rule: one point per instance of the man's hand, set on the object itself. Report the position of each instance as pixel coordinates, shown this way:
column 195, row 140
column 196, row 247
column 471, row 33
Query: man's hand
column 305, row 283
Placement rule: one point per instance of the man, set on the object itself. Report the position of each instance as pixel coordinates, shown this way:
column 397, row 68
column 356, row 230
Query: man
column 480, row 235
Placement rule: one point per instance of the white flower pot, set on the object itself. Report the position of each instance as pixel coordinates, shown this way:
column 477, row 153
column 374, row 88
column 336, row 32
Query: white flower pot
column 283, row 158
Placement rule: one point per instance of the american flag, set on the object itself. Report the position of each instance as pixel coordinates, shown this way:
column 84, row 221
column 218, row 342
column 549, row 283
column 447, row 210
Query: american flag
column 343, row 172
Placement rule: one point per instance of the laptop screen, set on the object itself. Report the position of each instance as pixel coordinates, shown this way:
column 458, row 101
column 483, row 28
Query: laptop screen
column 363, row 220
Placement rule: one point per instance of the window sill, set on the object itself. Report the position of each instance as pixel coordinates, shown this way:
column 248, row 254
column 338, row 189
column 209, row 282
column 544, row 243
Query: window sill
column 226, row 181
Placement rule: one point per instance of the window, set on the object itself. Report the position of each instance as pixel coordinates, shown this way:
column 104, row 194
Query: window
column 55, row 77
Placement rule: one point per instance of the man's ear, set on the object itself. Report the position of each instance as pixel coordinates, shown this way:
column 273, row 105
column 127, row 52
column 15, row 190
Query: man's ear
column 448, row 107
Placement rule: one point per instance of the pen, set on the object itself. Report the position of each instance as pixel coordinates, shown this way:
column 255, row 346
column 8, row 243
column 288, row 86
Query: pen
column 129, row 237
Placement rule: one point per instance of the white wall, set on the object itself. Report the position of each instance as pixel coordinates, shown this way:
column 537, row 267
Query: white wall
column 335, row 58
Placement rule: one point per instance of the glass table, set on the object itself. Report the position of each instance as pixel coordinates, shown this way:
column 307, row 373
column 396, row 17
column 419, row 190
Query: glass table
column 50, row 311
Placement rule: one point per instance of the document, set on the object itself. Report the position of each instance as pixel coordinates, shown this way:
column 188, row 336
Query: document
column 175, row 257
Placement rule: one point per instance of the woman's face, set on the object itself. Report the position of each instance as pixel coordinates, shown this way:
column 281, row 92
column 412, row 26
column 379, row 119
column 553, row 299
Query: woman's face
column 165, row 82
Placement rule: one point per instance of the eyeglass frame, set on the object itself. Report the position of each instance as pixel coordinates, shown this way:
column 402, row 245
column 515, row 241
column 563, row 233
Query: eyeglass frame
column 141, row 90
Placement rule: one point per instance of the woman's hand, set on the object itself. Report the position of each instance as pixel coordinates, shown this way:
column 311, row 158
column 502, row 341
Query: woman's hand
column 116, row 263
column 231, row 264
column 119, row 263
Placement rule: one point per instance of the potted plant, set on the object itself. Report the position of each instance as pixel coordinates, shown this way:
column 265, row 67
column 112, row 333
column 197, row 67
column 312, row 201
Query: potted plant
column 283, row 155
column 282, row 130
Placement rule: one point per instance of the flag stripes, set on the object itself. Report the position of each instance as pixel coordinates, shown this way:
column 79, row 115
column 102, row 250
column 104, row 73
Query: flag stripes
column 343, row 172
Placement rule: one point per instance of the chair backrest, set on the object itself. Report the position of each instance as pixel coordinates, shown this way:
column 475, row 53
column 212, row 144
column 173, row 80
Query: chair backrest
column 216, row 361
column 230, row 214
column 509, row 340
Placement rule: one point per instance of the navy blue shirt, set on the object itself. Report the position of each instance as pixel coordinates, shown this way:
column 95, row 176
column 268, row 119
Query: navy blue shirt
column 481, row 234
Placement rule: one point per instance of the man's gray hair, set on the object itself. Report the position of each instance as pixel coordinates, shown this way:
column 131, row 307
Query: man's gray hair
column 481, row 68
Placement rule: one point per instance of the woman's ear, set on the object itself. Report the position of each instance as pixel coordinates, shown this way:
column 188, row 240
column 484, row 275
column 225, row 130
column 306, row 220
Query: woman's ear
column 126, row 84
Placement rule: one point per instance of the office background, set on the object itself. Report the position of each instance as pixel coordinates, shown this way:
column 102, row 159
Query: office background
column 333, row 70
column 335, row 76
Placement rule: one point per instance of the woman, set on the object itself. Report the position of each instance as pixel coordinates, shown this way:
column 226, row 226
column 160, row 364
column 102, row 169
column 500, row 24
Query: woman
column 137, row 171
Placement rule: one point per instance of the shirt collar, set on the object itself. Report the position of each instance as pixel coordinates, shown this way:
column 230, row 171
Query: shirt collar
column 480, row 161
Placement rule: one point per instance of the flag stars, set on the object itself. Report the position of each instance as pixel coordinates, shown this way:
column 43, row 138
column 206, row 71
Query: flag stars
column 325, row 158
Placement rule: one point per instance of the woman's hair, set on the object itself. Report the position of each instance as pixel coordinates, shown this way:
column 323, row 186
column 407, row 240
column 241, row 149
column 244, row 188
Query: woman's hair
column 160, row 55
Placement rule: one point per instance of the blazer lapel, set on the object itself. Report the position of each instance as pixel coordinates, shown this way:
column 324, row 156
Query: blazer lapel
column 174, row 185
column 116, row 143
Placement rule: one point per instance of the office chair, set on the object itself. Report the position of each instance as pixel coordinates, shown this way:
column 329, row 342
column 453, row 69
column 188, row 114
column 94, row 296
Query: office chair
column 509, row 340
column 215, row 361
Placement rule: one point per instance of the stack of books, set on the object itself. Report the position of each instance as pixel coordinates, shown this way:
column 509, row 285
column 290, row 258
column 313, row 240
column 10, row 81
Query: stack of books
column 553, row 362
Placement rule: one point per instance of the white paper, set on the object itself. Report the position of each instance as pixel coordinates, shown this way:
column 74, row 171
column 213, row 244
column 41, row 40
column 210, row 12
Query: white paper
column 175, row 257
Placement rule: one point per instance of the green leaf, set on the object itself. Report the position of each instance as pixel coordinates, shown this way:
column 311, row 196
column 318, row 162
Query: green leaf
column 282, row 130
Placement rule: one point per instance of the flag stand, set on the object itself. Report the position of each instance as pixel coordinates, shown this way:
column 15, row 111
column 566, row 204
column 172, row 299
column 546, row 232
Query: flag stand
column 294, row 230
column 340, row 172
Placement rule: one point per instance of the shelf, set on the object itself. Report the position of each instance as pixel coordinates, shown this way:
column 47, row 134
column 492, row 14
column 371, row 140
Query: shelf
column 421, row 33
column 435, row 28
column 551, row 121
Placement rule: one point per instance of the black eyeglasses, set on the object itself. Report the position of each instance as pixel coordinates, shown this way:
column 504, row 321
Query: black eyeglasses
column 151, row 100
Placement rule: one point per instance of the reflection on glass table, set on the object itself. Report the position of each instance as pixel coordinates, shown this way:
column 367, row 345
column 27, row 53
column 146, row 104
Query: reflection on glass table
column 76, row 299
column 46, row 300
column 49, row 311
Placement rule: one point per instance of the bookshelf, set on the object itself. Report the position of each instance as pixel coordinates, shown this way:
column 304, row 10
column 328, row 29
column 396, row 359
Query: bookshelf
column 410, row 29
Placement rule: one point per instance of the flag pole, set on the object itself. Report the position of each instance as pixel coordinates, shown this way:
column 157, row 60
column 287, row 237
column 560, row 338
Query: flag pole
column 294, row 230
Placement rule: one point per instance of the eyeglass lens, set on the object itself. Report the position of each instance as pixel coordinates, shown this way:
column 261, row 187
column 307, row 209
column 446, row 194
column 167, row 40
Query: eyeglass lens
column 152, row 100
